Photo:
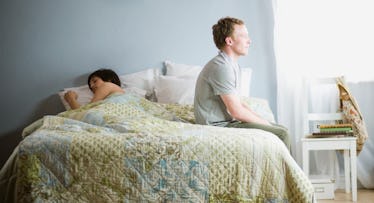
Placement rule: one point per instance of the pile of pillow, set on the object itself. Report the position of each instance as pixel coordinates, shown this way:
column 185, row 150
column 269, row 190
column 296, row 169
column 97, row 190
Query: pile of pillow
column 179, row 83
column 176, row 86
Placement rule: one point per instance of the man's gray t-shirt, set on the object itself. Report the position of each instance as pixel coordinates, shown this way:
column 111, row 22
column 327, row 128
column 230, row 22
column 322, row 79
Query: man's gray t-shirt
column 218, row 77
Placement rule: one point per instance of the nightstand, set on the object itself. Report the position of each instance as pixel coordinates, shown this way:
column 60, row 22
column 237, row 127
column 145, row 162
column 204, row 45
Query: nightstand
column 348, row 144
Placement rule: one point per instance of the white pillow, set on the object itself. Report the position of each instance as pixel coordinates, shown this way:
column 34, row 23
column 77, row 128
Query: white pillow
column 144, row 80
column 175, row 69
column 173, row 89
column 85, row 94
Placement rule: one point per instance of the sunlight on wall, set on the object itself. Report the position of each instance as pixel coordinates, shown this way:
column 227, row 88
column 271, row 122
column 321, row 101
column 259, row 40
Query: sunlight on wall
column 326, row 38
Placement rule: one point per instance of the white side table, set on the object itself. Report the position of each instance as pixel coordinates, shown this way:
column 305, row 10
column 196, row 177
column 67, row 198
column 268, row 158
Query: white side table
column 348, row 144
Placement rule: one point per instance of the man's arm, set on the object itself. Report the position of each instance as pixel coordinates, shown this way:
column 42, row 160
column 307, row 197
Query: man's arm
column 241, row 112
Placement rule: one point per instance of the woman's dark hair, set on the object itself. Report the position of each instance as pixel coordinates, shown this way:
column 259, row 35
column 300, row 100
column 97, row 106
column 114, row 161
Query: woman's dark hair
column 107, row 75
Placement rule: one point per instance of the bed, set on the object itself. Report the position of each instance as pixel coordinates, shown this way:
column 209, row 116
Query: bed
column 130, row 149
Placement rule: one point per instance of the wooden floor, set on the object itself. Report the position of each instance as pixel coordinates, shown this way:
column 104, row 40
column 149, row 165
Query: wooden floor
column 363, row 196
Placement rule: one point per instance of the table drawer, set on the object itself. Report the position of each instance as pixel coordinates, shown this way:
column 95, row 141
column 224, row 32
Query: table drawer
column 324, row 190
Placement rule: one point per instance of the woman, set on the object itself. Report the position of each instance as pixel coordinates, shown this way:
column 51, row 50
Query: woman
column 102, row 83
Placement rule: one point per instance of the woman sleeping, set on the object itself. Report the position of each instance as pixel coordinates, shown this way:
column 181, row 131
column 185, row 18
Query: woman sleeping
column 102, row 83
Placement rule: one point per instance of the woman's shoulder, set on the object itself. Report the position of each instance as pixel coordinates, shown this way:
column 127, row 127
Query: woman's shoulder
column 109, row 88
column 112, row 86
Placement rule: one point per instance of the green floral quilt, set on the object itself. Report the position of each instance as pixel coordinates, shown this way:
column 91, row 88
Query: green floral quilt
column 128, row 149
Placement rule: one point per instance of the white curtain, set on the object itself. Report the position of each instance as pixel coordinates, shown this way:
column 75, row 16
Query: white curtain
column 322, row 38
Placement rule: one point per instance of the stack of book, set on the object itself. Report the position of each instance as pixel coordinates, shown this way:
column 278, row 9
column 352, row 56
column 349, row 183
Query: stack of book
column 335, row 130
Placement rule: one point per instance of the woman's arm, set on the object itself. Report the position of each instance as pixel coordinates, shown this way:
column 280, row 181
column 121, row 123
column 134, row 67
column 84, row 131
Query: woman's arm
column 100, row 93
column 71, row 97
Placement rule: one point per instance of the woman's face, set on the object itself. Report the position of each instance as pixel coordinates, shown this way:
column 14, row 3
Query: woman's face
column 95, row 83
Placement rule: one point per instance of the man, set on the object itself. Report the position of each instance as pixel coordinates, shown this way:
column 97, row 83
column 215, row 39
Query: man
column 217, row 101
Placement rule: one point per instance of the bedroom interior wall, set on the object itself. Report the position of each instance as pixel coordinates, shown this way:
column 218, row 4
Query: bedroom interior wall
column 48, row 45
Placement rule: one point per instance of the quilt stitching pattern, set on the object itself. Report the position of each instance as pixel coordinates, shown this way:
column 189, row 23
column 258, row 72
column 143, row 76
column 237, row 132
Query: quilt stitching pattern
column 128, row 149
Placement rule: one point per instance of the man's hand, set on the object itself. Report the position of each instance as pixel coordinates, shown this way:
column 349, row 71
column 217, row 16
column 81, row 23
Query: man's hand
column 240, row 111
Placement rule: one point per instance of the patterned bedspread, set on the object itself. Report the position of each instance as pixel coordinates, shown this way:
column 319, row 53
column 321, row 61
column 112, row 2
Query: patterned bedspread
column 128, row 149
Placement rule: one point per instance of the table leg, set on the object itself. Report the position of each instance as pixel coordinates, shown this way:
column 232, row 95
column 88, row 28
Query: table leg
column 305, row 159
column 353, row 171
column 347, row 171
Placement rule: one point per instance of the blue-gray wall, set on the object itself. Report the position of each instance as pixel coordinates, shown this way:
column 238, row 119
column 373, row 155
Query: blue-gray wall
column 46, row 45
